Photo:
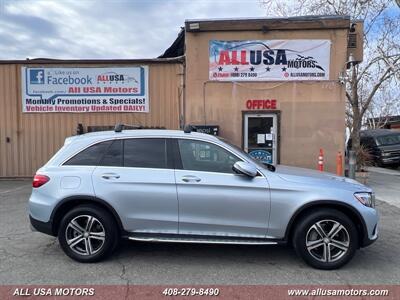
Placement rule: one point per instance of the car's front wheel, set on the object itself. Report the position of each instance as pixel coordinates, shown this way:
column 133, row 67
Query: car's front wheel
column 87, row 233
column 326, row 239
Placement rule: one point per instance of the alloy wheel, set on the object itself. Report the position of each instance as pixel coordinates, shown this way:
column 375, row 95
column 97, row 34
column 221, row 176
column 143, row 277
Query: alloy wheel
column 85, row 235
column 327, row 241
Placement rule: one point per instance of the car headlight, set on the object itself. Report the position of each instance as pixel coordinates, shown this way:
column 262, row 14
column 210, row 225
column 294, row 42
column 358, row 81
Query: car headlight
column 367, row 199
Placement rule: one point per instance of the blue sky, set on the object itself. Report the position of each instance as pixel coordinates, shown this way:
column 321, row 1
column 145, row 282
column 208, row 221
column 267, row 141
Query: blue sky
column 104, row 28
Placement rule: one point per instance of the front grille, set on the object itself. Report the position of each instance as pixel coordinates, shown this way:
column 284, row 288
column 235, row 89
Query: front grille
column 394, row 152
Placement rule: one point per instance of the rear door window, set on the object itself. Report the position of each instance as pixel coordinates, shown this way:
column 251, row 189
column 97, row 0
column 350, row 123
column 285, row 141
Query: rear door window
column 145, row 153
column 113, row 156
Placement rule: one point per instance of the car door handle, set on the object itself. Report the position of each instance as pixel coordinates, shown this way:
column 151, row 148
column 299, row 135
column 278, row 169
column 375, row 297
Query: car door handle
column 110, row 176
column 190, row 178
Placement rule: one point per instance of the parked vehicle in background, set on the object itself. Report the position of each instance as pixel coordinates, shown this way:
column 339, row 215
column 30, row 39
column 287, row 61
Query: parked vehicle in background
column 383, row 146
column 188, row 187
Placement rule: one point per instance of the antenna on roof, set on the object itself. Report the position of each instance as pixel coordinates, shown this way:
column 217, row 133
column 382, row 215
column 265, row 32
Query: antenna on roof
column 119, row 127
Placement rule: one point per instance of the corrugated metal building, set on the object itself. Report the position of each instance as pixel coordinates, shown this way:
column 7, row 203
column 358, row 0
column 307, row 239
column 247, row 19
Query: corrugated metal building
column 184, row 87
column 27, row 140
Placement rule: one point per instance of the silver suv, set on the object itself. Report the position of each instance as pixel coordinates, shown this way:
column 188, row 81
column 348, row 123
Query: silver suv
column 188, row 187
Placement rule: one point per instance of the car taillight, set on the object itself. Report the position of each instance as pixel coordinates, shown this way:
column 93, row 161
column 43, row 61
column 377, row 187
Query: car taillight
column 39, row 180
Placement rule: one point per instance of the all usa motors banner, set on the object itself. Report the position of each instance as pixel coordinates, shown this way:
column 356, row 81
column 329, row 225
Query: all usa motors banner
column 79, row 90
column 272, row 60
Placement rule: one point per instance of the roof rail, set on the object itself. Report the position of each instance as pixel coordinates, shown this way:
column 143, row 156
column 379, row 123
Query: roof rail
column 189, row 128
column 119, row 127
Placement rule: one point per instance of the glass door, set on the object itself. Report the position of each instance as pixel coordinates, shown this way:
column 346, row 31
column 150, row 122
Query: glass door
column 260, row 137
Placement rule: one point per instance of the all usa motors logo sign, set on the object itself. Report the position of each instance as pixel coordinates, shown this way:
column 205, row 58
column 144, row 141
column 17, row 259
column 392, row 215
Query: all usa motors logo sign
column 120, row 89
column 272, row 60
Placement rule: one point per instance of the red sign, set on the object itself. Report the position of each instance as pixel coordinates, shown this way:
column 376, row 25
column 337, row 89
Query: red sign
column 261, row 104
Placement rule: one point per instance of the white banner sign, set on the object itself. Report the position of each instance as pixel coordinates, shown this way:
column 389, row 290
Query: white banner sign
column 79, row 90
column 271, row 60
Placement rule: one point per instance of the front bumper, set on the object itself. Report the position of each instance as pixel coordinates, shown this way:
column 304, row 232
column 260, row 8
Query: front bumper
column 369, row 218
column 370, row 240
column 388, row 160
column 44, row 227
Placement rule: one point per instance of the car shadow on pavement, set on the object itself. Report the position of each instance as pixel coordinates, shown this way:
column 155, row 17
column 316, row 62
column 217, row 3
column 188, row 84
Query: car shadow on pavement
column 205, row 253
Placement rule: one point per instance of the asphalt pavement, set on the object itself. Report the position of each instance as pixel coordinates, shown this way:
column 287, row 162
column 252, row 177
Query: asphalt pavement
column 33, row 258
column 386, row 184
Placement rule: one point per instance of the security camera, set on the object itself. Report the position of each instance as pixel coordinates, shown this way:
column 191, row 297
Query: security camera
column 343, row 78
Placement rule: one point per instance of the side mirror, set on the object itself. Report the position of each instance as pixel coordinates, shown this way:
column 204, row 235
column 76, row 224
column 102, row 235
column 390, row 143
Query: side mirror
column 245, row 168
column 270, row 167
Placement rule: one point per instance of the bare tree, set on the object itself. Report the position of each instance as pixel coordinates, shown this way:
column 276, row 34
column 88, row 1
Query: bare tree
column 383, row 106
column 380, row 69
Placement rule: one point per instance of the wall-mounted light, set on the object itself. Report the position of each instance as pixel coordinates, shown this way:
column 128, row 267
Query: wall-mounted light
column 351, row 60
column 194, row 26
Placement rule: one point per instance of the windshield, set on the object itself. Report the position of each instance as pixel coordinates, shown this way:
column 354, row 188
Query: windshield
column 388, row 139
column 257, row 162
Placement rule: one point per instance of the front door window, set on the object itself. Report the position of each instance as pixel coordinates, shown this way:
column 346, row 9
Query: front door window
column 207, row 157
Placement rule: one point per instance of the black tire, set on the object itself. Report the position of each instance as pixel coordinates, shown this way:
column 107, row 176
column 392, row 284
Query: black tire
column 103, row 226
column 306, row 230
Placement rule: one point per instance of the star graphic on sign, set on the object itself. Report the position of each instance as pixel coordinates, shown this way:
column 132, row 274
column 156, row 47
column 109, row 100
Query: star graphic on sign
column 252, row 69
column 220, row 69
column 236, row 69
column 268, row 69
column 283, row 69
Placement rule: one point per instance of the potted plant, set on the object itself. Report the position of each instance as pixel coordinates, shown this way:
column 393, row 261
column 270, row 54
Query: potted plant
column 364, row 160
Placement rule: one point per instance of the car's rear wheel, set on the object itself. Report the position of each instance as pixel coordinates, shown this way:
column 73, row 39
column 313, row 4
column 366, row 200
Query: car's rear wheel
column 88, row 233
column 326, row 239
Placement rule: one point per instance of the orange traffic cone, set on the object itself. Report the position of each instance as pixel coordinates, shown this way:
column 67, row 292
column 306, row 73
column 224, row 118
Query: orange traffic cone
column 321, row 160
column 339, row 164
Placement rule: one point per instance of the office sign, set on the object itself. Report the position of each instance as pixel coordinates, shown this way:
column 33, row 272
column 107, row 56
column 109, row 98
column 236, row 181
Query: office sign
column 261, row 104
column 80, row 90
column 273, row 60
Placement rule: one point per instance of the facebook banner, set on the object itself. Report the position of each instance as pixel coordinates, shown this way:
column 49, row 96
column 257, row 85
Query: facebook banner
column 78, row 90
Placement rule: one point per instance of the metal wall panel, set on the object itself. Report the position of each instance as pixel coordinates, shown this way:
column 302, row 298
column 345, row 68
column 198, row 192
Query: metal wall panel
column 35, row 137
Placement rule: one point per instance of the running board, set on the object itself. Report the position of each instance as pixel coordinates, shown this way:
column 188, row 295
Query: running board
column 199, row 240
